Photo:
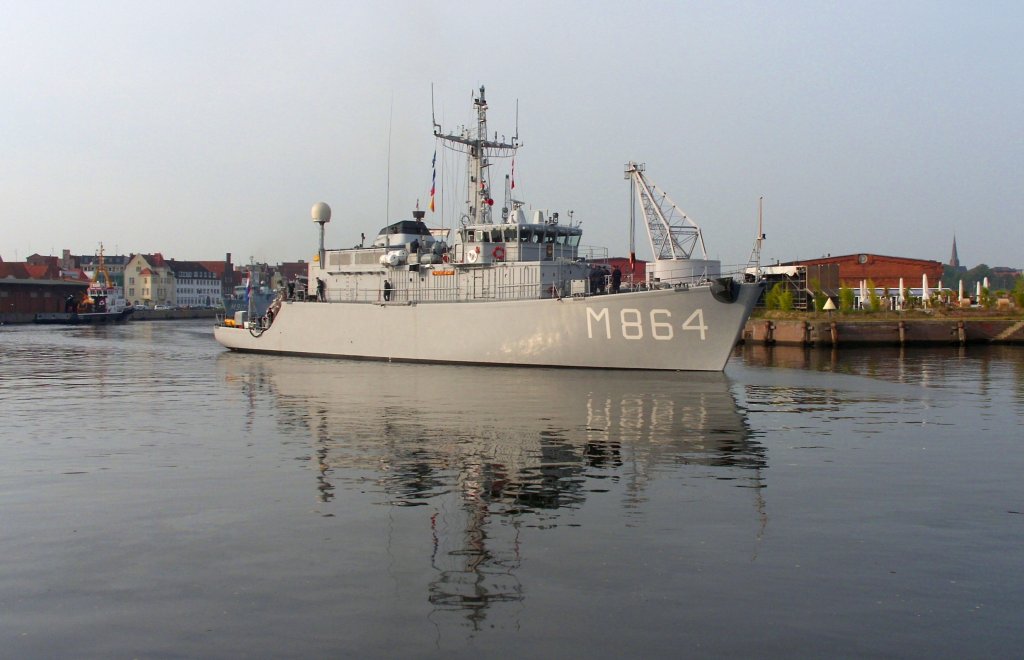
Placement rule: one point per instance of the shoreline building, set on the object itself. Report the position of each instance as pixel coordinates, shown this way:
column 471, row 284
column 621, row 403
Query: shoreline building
column 39, row 285
column 954, row 260
column 195, row 285
column 225, row 272
column 148, row 280
column 828, row 274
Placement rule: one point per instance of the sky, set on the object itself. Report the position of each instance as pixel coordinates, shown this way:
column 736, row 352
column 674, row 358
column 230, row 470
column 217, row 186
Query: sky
column 200, row 128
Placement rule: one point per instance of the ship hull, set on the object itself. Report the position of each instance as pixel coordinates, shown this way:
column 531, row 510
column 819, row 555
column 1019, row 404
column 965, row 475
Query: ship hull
column 670, row 329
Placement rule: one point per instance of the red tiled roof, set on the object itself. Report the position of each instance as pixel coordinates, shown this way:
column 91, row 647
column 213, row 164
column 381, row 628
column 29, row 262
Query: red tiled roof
column 215, row 267
column 39, row 271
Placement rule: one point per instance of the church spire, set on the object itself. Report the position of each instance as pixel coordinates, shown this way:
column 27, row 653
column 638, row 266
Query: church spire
column 954, row 260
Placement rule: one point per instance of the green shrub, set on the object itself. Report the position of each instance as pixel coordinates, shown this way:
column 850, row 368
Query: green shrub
column 779, row 297
column 988, row 301
column 846, row 299
column 786, row 300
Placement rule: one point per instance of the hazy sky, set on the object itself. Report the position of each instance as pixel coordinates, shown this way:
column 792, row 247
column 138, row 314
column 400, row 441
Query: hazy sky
column 199, row 128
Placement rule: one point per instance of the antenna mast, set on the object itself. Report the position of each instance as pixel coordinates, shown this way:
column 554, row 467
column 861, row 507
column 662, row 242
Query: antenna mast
column 478, row 150
column 755, row 256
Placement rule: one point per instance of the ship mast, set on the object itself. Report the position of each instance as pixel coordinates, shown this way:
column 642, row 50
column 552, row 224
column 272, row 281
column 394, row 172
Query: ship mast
column 478, row 151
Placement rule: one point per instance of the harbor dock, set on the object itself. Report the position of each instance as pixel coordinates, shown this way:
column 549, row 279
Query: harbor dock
column 889, row 331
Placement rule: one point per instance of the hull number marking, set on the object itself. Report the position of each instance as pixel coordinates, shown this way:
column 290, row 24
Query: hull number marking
column 632, row 324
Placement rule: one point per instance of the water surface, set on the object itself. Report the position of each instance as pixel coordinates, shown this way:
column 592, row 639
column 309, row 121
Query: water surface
column 165, row 498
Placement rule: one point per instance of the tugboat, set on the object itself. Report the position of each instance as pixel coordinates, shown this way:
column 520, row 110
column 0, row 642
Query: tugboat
column 103, row 303
column 515, row 289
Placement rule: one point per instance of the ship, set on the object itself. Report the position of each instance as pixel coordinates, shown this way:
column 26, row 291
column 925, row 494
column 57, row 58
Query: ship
column 508, row 286
column 103, row 303
column 253, row 297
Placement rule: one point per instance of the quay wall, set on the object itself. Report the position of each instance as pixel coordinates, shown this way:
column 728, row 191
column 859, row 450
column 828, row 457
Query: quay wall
column 174, row 314
column 137, row 315
column 885, row 332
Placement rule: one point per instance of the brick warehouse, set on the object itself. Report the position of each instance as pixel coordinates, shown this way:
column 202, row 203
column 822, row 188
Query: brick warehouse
column 883, row 270
column 27, row 288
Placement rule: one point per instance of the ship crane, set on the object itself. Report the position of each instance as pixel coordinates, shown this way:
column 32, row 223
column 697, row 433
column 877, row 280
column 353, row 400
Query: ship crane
column 674, row 236
column 101, row 271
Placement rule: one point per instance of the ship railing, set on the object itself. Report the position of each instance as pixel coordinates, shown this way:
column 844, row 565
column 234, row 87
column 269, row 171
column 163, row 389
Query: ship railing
column 485, row 292
column 593, row 252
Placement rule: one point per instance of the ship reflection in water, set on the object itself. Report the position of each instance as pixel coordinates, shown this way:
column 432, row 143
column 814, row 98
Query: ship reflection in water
column 490, row 453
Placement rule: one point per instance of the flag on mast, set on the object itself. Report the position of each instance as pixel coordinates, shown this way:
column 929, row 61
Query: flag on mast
column 433, row 179
column 513, row 174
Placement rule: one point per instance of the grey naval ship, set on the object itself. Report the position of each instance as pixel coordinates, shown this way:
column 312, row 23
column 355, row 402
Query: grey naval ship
column 512, row 287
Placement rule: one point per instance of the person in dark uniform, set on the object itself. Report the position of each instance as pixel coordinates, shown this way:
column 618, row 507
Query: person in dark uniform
column 320, row 287
column 387, row 290
column 616, row 279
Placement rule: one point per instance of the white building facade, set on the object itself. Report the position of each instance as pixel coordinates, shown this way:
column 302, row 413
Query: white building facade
column 195, row 285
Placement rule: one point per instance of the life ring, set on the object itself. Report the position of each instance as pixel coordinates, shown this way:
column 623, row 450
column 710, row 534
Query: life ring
column 444, row 257
column 498, row 253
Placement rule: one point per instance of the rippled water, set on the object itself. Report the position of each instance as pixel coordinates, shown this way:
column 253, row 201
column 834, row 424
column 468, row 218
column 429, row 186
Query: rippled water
column 162, row 497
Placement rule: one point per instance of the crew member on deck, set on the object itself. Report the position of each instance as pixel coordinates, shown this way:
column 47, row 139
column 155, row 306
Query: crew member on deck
column 387, row 290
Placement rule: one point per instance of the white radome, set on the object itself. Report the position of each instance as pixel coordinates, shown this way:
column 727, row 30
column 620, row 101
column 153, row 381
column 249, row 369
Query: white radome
column 321, row 212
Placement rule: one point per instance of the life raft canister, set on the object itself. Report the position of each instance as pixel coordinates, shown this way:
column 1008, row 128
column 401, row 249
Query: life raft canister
column 498, row 253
